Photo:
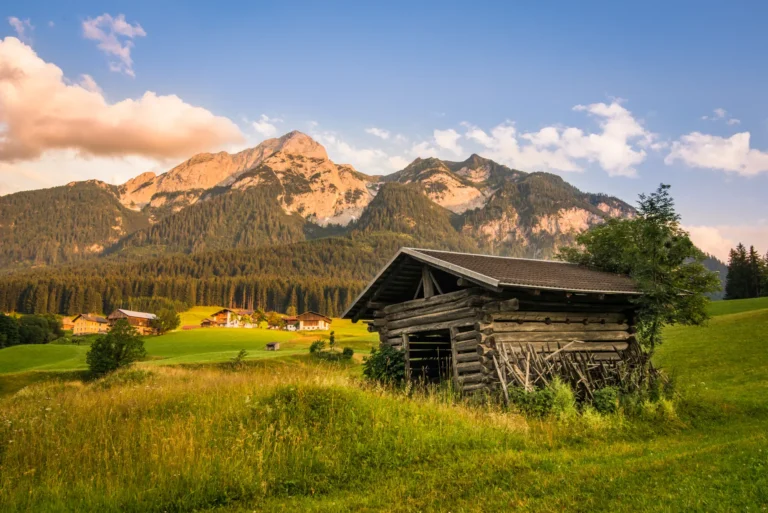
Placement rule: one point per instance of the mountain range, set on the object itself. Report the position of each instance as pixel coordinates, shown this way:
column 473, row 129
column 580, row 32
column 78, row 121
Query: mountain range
column 287, row 190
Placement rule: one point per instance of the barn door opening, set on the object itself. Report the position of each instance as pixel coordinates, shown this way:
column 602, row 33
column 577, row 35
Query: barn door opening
column 429, row 356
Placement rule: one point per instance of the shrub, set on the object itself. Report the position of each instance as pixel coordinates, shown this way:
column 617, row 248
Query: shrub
column 537, row 403
column 167, row 320
column 347, row 353
column 118, row 348
column 317, row 346
column 238, row 360
column 564, row 400
column 385, row 365
column 606, row 400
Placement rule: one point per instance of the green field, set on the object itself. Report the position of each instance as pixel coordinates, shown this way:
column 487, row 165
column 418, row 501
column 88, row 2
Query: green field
column 287, row 434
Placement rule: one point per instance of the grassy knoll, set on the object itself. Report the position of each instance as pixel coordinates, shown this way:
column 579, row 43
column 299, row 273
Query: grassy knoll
column 292, row 435
column 733, row 306
column 195, row 315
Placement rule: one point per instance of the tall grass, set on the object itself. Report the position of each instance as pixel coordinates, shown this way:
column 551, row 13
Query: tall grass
column 174, row 439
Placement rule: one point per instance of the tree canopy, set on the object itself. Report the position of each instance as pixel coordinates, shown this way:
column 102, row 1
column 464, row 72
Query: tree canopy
column 658, row 254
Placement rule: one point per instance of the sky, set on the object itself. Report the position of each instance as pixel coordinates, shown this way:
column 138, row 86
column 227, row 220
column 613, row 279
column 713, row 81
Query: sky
column 615, row 97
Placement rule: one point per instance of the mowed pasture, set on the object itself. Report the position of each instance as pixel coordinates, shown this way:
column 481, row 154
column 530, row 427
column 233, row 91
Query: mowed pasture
column 289, row 434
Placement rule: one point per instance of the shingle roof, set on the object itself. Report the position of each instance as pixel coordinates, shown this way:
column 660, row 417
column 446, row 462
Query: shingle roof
column 401, row 274
column 541, row 274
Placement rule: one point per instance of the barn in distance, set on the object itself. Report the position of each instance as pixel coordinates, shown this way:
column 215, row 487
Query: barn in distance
column 455, row 315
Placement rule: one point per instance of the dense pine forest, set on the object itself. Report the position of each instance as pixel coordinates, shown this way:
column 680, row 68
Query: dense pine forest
column 747, row 273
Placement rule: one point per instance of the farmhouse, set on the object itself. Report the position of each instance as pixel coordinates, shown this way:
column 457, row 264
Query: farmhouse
column 67, row 323
column 141, row 321
column 460, row 316
column 313, row 321
column 88, row 324
column 224, row 318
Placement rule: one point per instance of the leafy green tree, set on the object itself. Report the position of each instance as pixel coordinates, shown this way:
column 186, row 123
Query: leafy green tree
column 9, row 331
column 118, row 348
column 275, row 319
column 658, row 254
column 291, row 311
column 167, row 319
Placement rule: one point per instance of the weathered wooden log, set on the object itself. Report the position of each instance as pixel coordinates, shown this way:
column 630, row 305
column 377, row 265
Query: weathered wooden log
column 549, row 347
column 469, row 367
column 471, row 378
column 467, row 357
column 466, row 345
column 508, row 305
column 434, row 300
column 448, row 315
column 475, row 387
column 505, row 326
column 431, row 309
column 560, row 336
column 467, row 335
column 573, row 317
column 467, row 321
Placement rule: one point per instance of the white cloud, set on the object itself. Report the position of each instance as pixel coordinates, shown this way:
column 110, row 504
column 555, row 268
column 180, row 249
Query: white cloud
column 733, row 121
column 378, row 132
column 618, row 148
column 41, row 111
column 718, row 240
column 115, row 37
column 23, row 28
column 266, row 126
column 448, row 140
column 730, row 154
column 368, row 160
column 720, row 114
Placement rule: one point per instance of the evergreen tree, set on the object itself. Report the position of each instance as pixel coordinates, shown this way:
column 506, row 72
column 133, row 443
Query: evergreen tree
column 739, row 275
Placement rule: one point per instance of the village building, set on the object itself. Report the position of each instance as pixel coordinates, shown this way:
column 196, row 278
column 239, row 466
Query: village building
column 224, row 318
column 313, row 321
column 291, row 323
column 460, row 316
column 141, row 321
column 67, row 323
column 89, row 324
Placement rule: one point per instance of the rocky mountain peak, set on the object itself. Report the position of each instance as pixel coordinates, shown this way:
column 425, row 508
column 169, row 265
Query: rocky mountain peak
column 299, row 143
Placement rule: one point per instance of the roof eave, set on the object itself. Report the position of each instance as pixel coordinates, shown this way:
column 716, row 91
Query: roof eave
column 575, row 291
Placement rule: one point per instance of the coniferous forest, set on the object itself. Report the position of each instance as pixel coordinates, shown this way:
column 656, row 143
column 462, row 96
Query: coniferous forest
column 747, row 273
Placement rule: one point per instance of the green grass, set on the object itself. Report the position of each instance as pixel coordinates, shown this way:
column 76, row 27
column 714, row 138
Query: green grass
column 195, row 315
column 717, row 308
column 288, row 434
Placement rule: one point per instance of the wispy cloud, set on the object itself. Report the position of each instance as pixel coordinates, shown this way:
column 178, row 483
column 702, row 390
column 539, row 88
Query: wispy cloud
column 115, row 38
column 23, row 28
column 378, row 132
column 266, row 126
column 720, row 114
column 730, row 154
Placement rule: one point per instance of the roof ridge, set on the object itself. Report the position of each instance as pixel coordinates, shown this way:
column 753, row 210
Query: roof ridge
column 494, row 256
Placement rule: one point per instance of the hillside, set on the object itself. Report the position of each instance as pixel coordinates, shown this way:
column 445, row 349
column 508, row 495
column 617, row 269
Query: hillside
column 287, row 190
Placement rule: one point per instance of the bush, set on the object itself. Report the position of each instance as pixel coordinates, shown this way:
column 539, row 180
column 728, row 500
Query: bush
column 317, row 346
column 167, row 320
column 347, row 353
column 606, row 400
column 537, row 403
column 238, row 360
column 118, row 348
column 385, row 365
column 564, row 400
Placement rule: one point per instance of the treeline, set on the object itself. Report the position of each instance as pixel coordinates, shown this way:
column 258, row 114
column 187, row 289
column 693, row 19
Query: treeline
column 323, row 275
column 28, row 329
column 747, row 273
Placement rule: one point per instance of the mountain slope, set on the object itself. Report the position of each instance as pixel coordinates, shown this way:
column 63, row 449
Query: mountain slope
column 62, row 224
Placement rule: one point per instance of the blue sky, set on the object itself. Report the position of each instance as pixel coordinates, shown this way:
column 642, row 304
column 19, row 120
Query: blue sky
column 447, row 78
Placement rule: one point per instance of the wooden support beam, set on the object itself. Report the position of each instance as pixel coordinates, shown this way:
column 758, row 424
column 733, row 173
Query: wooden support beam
column 426, row 282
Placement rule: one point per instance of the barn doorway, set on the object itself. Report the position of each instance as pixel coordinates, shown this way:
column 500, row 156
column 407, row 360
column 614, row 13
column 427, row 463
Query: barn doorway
column 429, row 356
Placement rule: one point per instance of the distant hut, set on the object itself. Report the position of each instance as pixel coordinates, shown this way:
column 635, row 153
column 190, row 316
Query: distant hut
column 273, row 346
column 455, row 315
column 141, row 321
column 313, row 321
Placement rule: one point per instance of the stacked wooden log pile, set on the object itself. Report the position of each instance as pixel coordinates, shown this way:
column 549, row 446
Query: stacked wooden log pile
column 530, row 367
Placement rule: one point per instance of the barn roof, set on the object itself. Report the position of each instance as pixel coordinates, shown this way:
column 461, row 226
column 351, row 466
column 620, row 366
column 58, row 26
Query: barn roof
column 91, row 318
column 312, row 316
column 492, row 272
column 136, row 315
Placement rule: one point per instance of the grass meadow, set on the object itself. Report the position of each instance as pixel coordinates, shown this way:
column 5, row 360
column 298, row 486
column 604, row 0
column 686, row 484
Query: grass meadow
column 290, row 434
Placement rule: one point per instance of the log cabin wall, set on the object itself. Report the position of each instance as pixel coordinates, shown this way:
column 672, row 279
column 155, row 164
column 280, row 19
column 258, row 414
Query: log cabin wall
column 481, row 323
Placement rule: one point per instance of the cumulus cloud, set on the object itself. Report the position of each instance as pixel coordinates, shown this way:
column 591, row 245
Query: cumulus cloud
column 378, row 132
column 448, row 140
column 718, row 240
column 617, row 148
column 368, row 160
column 730, row 154
column 266, row 126
column 23, row 28
column 115, row 38
column 40, row 111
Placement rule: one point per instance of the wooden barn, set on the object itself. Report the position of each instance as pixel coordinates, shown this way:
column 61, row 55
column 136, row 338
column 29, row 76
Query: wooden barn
column 313, row 321
column 456, row 315
column 89, row 324
column 141, row 321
